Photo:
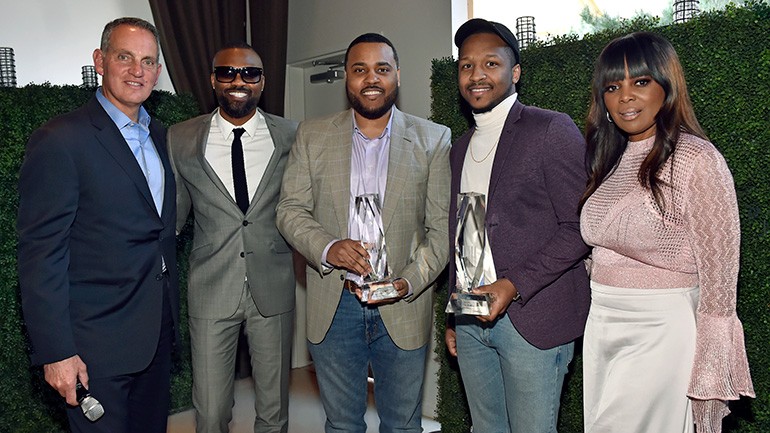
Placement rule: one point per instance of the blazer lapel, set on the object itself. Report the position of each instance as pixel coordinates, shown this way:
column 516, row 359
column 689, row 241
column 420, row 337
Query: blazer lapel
column 201, row 138
column 401, row 147
column 111, row 139
column 280, row 148
column 508, row 140
column 158, row 135
column 339, row 144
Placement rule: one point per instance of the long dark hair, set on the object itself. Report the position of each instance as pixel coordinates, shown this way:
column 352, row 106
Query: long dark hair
column 645, row 54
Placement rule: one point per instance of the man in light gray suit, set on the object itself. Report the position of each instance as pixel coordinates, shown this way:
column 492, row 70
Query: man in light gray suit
column 229, row 165
column 373, row 148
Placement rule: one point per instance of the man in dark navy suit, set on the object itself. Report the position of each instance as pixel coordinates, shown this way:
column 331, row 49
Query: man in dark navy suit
column 97, row 255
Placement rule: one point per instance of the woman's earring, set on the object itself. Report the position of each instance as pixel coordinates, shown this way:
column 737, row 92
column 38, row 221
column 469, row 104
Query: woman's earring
column 609, row 119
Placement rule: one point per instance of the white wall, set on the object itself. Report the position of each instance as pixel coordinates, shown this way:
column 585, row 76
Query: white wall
column 421, row 30
column 53, row 39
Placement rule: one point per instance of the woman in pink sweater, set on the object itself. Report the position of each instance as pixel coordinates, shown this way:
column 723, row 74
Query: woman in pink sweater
column 663, row 347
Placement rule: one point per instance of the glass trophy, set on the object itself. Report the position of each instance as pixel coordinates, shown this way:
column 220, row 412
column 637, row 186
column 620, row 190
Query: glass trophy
column 378, row 285
column 470, row 248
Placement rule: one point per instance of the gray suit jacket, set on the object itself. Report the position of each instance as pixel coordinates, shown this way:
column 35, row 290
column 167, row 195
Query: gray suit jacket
column 228, row 245
column 314, row 205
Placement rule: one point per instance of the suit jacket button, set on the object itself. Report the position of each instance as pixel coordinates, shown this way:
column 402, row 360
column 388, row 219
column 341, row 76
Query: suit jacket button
column 245, row 223
column 342, row 278
column 159, row 277
column 242, row 254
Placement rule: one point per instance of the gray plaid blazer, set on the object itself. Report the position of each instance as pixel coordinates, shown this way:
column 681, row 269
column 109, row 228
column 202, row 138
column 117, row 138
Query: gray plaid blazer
column 314, row 205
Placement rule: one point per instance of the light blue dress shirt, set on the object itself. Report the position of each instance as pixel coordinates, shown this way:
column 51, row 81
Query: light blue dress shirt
column 137, row 136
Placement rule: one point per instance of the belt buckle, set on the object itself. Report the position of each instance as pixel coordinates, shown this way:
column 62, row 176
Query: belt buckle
column 351, row 286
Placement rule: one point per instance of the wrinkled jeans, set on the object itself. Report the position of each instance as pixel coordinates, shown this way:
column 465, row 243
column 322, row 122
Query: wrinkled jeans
column 512, row 386
column 356, row 339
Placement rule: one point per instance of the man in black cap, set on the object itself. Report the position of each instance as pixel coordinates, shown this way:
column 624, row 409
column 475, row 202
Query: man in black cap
column 528, row 163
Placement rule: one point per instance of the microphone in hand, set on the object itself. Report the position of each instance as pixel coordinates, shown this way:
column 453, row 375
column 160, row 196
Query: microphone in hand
column 91, row 407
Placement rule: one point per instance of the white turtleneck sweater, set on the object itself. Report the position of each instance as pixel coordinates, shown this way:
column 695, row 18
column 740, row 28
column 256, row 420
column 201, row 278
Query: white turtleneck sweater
column 477, row 169
column 477, row 166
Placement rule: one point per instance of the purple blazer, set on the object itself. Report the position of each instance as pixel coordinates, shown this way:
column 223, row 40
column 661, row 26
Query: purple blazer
column 538, row 177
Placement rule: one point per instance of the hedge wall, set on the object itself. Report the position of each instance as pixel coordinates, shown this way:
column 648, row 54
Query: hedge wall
column 27, row 403
column 726, row 57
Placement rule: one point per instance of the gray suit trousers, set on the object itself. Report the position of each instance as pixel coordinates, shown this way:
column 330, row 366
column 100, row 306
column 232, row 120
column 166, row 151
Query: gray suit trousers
column 214, row 343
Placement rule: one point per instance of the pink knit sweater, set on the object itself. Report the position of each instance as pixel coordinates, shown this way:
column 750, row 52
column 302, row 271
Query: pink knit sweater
column 695, row 243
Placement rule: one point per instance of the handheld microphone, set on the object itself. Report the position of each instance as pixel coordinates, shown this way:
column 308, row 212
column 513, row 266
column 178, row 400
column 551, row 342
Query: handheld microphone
column 91, row 407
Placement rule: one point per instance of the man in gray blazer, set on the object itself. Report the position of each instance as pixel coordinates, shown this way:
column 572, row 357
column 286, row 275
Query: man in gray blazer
column 373, row 148
column 229, row 165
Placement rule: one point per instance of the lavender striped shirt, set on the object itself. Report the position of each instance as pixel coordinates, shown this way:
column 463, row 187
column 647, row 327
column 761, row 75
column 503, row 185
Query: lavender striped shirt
column 368, row 174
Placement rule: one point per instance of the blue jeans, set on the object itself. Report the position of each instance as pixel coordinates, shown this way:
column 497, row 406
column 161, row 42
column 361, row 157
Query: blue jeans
column 512, row 386
column 356, row 339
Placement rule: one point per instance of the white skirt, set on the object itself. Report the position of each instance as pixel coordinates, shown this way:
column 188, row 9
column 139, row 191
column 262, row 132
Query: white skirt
column 638, row 351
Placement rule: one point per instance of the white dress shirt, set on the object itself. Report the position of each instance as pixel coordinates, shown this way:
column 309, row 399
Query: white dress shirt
column 258, row 148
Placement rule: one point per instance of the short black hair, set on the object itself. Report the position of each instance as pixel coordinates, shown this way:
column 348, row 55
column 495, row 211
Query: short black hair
column 371, row 38
column 236, row 44
column 239, row 45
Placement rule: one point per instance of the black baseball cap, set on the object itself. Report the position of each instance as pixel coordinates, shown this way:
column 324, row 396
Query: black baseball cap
column 480, row 25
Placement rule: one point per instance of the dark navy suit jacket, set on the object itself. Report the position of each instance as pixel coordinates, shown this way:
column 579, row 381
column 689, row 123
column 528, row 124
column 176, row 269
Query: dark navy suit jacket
column 532, row 222
column 90, row 245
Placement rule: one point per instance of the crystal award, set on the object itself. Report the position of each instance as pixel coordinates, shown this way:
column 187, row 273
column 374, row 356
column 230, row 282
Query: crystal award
column 470, row 248
column 378, row 284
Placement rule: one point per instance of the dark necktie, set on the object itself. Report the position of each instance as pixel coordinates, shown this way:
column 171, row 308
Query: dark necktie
column 239, row 172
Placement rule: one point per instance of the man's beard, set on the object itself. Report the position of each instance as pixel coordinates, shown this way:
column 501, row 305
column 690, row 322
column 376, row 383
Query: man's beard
column 376, row 112
column 237, row 110
column 489, row 107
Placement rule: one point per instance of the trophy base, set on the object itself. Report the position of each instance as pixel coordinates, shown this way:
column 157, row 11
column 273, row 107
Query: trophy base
column 378, row 291
column 470, row 304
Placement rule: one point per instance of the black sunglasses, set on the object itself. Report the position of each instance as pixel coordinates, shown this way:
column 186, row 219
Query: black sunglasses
column 249, row 74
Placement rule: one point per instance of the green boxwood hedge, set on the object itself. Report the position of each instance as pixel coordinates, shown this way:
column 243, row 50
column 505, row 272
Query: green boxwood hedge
column 726, row 57
column 27, row 403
